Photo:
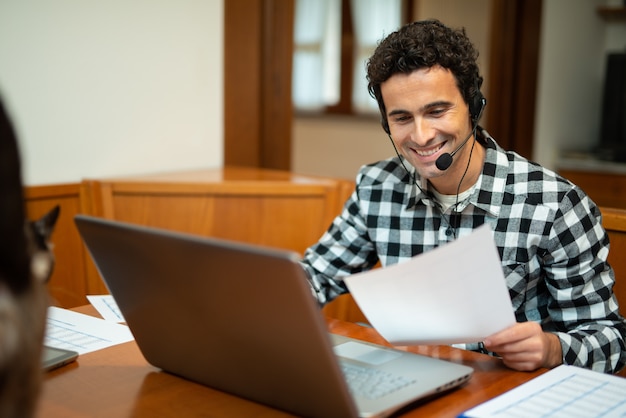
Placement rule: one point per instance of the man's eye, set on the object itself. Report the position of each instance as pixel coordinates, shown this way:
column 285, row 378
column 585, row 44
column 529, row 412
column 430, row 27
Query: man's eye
column 401, row 119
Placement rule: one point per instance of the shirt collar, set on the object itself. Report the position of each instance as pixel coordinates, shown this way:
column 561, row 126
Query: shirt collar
column 489, row 192
column 418, row 192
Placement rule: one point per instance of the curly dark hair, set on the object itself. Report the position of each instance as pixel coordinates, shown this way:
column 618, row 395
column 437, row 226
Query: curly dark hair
column 424, row 44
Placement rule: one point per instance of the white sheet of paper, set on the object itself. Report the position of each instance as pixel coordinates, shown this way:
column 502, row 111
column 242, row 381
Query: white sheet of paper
column 453, row 294
column 565, row 391
column 82, row 333
column 107, row 307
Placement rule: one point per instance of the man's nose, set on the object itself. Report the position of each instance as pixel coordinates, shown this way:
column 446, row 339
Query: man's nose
column 423, row 131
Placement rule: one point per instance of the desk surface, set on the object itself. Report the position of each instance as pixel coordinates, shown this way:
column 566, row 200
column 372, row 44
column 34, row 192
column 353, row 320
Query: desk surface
column 118, row 381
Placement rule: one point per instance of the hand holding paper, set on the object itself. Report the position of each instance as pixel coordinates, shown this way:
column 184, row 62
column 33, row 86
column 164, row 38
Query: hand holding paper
column 453, row 294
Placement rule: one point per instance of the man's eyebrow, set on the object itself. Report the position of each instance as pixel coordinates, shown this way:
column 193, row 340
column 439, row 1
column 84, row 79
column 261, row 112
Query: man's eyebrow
column 432, row 105
column 440, row 103
column 398, row 112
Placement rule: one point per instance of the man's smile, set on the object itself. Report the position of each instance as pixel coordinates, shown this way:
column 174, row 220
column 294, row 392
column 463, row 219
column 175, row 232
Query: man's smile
column 428, row 152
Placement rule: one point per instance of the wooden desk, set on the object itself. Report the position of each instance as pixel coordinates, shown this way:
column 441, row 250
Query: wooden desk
column 118, row 382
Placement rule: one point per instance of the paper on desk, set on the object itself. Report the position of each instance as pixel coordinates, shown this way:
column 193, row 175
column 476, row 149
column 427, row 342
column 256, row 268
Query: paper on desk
column 82, row 333
column 107, row 307
column 565, row 391
column 453, row 294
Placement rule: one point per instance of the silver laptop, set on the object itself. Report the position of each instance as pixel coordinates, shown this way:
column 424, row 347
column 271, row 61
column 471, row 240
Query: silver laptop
column 241, row 319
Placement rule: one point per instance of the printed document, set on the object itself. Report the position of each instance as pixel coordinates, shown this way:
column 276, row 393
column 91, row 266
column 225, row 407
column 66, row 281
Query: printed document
column 453, row 294
column 82, row 333
column 107, row 307
column 565, row 391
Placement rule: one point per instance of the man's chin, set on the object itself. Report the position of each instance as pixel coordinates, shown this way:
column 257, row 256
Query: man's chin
column 429, row 171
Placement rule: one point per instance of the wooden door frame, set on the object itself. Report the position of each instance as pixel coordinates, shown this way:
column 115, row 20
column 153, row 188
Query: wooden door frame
column 258, row 51
column 513, row 73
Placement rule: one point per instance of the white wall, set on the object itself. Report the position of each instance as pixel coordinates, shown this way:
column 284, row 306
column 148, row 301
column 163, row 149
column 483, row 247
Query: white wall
column 337, row 146
column 115, row 87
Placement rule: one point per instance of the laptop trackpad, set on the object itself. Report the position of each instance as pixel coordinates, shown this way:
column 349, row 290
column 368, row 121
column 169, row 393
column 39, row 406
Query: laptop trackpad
column 365, row 353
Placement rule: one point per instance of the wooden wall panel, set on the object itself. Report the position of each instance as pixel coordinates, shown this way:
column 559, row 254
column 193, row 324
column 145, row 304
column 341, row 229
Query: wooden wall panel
column 605, row 189
column 614, row 221
column 265, row 207
column 290, row 222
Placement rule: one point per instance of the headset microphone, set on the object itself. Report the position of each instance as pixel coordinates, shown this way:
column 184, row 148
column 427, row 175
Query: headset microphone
column 445, row 160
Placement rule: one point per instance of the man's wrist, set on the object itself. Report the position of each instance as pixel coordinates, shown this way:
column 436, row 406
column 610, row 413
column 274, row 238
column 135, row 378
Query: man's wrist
column 554, row 351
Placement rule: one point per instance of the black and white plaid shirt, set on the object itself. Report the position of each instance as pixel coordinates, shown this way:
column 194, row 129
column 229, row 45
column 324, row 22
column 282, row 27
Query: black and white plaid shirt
column 548, row 232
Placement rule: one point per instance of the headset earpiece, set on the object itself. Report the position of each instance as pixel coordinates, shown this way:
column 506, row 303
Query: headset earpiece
column 476, row 107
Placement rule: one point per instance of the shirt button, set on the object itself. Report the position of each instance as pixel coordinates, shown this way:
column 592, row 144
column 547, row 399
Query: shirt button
column 449, row 231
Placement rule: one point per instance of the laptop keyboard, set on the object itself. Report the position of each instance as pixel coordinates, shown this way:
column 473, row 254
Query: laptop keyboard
column 371, row 383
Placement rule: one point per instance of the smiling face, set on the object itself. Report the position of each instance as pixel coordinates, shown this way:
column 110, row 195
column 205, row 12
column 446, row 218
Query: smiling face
column 428, row 117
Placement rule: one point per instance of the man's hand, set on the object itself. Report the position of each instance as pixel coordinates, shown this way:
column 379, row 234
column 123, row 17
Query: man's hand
column 524, row 346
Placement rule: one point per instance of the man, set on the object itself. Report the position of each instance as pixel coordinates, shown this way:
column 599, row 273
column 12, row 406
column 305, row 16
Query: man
column 450, row 177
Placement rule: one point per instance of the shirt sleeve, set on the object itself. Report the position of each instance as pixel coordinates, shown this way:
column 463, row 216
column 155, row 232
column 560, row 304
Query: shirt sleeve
column 584, row 311
column 344, row 249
